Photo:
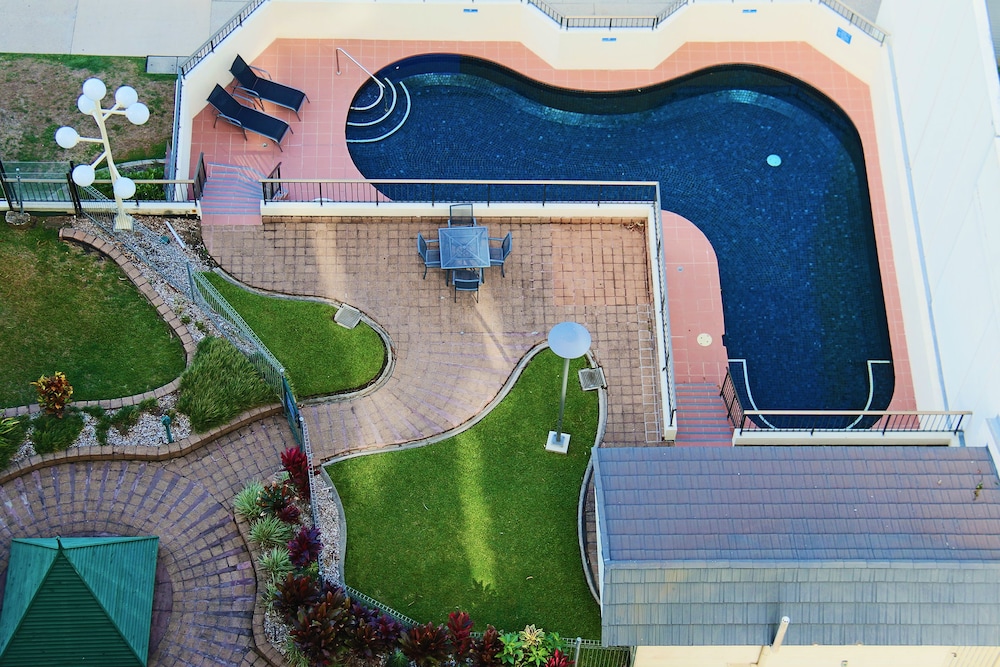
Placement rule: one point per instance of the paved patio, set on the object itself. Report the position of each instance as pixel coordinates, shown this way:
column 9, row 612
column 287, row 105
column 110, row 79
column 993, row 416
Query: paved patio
column 451, row 359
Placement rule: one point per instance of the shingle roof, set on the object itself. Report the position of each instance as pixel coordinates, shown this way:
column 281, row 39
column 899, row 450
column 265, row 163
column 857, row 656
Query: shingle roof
column 880, row 545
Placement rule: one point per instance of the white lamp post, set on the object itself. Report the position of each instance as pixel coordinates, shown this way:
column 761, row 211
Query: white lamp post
column 569, row 340
column 126, row 104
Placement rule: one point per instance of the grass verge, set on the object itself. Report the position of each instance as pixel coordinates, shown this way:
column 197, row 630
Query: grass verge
column 219, row 385
column 320, row 356
column 62, row 309
column 485, row 521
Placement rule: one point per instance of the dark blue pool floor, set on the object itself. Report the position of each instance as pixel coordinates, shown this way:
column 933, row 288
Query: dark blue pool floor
column 801, row 289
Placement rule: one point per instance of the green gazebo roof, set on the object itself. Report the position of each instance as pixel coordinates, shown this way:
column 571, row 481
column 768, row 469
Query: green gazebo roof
column 78, row 601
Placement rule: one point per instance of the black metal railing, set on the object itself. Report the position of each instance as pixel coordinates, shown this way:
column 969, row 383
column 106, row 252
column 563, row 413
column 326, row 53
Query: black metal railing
column 200, row 178
column 732, row 400
column 383, row 191
column 219, row 37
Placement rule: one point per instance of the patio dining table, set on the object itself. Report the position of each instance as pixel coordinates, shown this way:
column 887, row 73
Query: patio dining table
column 464, row 247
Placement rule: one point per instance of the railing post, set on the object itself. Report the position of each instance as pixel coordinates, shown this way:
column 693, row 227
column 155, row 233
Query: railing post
column 74, row 194
column 576, row 654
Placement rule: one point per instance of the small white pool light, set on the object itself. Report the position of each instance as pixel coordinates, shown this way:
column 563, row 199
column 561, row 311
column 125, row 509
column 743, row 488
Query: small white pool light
column 774, row 160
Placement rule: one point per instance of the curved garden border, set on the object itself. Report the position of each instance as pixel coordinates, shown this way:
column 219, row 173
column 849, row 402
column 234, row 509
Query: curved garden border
column 71, row 235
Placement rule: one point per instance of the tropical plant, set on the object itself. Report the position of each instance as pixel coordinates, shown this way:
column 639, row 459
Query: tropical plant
column 530, row 647
column 305, row 547
column 397, row 659
column 558, row 659
column 276, row 496
column 425, row 645
column 270, row 531
column 296, row 464
column 460, row 634
column 54, row 393
column 320, row 630
column 512, row 652
column 245, row 502
column 293, row 592
column 486, row 652
column 276, row 563
column 289, row 514
column 53, row 434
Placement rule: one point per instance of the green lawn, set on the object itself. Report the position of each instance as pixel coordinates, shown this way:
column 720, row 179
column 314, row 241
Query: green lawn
column 64, row 310
column 320, row 356
column 486, row 521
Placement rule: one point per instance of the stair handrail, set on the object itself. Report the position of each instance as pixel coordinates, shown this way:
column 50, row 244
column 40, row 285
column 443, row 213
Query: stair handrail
column 363, row 68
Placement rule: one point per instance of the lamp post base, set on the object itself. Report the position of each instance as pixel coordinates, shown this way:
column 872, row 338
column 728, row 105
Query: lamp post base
column 123, row 222
column 560, row 446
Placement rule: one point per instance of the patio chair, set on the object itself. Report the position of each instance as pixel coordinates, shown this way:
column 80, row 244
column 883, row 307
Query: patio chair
column 498, row 254
column 431, row 256
column 265, row 89
column 247, row 118
column 467, row 280
column 460, row 215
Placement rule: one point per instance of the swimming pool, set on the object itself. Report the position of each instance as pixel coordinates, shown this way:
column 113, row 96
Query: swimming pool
column 769, row 169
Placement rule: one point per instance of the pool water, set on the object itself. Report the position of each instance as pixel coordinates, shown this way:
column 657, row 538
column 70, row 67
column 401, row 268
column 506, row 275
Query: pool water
column 769, row 169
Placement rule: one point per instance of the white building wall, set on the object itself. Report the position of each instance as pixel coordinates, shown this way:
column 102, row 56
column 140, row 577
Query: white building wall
column 949, row 102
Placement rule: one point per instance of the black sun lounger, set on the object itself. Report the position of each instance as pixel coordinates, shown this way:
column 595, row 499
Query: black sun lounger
column 246, row 118
column 265, row 89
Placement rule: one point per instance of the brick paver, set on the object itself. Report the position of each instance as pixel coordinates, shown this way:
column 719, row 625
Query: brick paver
column 205, row 587
column 451, row 359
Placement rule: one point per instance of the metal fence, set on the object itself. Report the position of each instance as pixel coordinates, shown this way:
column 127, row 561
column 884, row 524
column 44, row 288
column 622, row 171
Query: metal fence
column 219, row 37
column 237, row 331
column 662, row 318
column 384, row 191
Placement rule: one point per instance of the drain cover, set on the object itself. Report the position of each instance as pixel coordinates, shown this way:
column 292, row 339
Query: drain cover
column 347, row 317
column 592, row 378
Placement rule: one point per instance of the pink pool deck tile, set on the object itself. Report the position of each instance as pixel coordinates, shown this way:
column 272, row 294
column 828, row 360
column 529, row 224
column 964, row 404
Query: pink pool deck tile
column 318, row 149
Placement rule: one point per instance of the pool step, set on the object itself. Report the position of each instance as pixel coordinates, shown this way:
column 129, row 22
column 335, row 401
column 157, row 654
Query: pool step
column 373, row 123
column 701, row 416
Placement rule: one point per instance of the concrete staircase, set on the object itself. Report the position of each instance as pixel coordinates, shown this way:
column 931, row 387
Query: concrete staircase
column 701, row 417
column 232, row 195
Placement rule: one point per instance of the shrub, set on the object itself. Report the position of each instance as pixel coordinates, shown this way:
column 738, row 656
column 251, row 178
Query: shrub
column 53, row 434
column 275, row 497
column 305, row 547
column 12, row 432
column 293, row 592
column 320, row 630
column 54, row 393
column 296, row 464
column 487, row 650
column 245, row 503
column 558, row 659
column 425, row 645
column 269, row 531
column 219, row 385
column 276, row 563
column 460, row 633
column 289, row 514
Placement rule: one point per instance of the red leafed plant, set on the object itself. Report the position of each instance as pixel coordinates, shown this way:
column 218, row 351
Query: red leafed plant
column 558, row 659
column 275, row 497
column 319, row 630
column 425, row 645
column 460, row 633
column 54, row 393
column 289, row 513
column 487, row 649
column 293, row 592
column 305, row 547
column 296, row 464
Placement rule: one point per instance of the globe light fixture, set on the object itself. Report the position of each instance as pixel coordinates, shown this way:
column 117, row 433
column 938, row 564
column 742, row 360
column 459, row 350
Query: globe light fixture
column 89, row 103
column 568, row 340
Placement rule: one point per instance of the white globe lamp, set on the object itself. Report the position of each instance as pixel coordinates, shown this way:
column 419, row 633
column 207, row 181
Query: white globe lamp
column 95, row 89
column 86, row 105
column 124, row 187
column 67, row 137
column 126, row 96
column 137, row 113
column 83, row 175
